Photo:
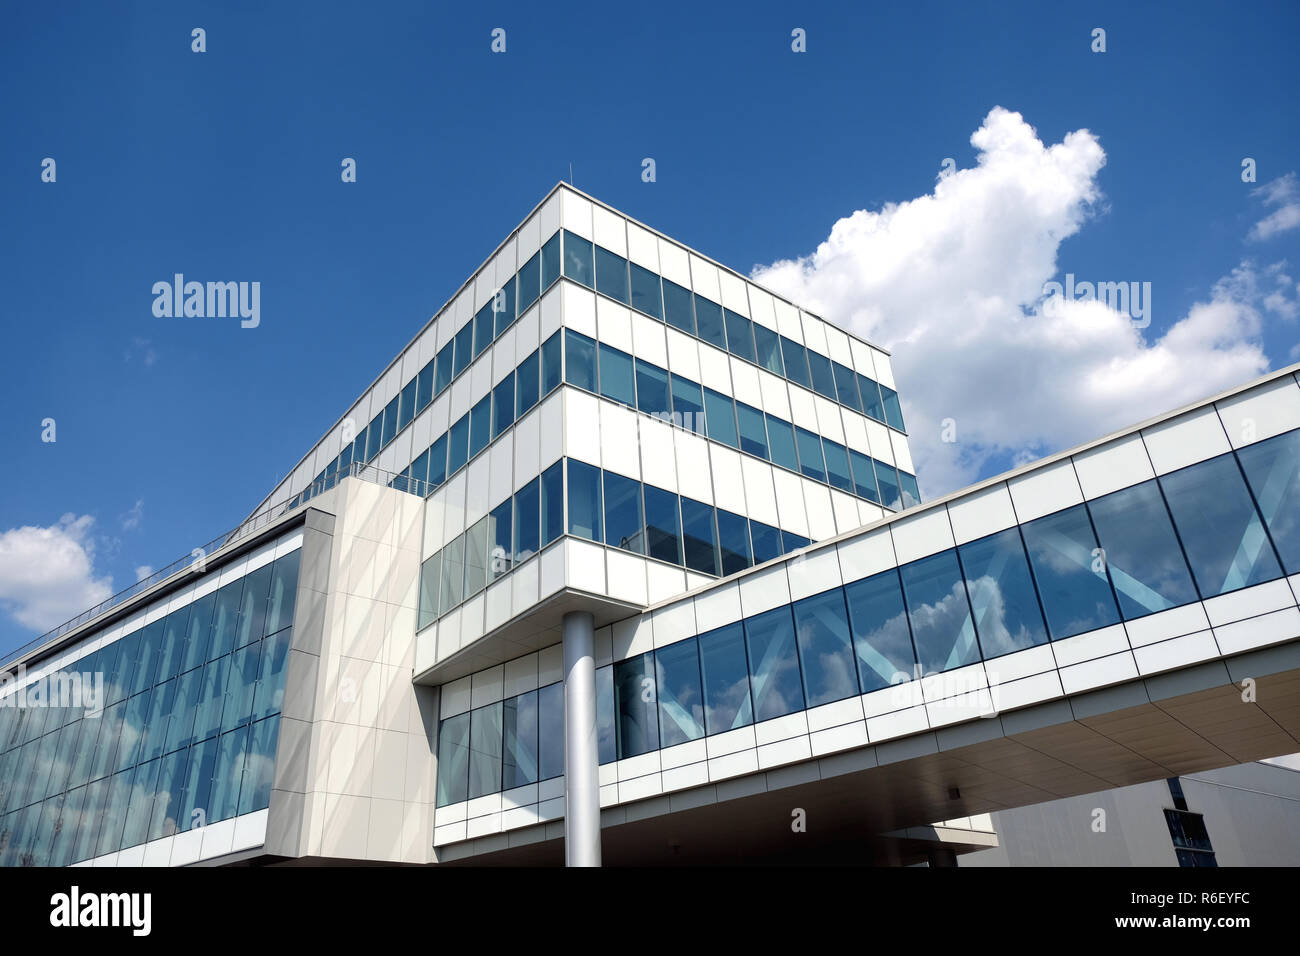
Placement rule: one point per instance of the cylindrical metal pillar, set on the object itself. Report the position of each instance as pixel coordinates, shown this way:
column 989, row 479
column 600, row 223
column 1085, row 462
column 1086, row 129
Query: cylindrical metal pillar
column 581, row 759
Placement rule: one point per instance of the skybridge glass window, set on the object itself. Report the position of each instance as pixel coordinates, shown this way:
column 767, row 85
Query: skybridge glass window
column 1220, row 529
column 636, row 711
column 1007, row 615
column 611, row 275
column 882, row 638
column 550, row 261
column 652, row 396
column 825, row 648
column 724, row 671
column 663, row 525
column 740, row 335
column 1070, row 573
column 939, row 612
column 1142, row 554
column 530, row 282
column 773, row 664
column 458, row 445
column 579, row 360
column 623, row 526
column 1273, row 470
column 584, row 500
column 708, row 322
column 616, row 379
column 688, row 404
column 646, row 294
column 796, row 362
column 578, row 264
column 767, row 347
column 680, row 693
column 720, row 413
column 678, row 310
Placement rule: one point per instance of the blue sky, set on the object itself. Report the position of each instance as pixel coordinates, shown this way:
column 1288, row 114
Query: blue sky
column 225, row 165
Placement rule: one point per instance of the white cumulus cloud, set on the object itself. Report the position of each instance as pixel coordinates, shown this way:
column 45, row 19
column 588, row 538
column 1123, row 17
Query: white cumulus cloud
column 47, row 575
column 952, row 283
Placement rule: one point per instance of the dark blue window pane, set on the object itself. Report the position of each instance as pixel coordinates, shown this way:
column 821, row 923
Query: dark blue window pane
column 872, row 404
column 1273, row 469
column 390, row 421
column 438, row 462
column 224, row 621
column 796, row 362
column 688, row 404
column 890, row 492
column 1220, row 529
column 458, row 445
column 699, row 537
column 420, row 473
column 753, row 433
column 740, row 335
column 551, row 365
column 503, row 306
column 725, row 672
column 500, row 544
column 825, row 648
column 623, row 513
column 823, row 379
column 527, row 520
column 767, row 346
column 645, row 292
column 793, row 542
column 911, row 493
column 480, row 425
column 530, row 282
column 550, row 731
column 942, row 629
column 810, row 455
column 485, row 738
column 584, row 500
column 773, row 664
column 864, row 477
column 552, row 502
column 606, row 744
column 503, row 405
column 1146, row 564
column 444, row 368
column 637, row 718
column 520, row 755
column 611, row 275
column 616, row 381
column 374, row 434
column 708, row 322
column 733, row 542
column 453, row 760
column 483, row 324
column 766, row 541
column 893, row 411
column 579, row 360
column 677, row 307
column 846, row 386
column 780, row 438
column 1070, row 573
column 652, row 390
column 407, row 404
column 680, row 693
column 721, row 415
column 578, row 260
column 663, row 525
column 424, row 387
column 550, row 261
column 1007, row 615
column 527, row 383
column 837, row 465
column 464, row 343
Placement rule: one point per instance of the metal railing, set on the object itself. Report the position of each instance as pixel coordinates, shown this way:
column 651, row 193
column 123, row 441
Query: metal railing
column 195, row 560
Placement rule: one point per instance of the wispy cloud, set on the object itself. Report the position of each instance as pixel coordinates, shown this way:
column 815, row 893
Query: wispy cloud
column 132, row 519
column 1284, row 194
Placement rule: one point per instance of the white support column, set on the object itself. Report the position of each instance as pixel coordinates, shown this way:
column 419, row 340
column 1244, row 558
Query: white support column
column 581, row 758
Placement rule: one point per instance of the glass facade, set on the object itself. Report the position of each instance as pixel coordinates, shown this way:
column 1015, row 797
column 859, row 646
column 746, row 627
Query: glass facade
column 1212, row 527
column 185, row 733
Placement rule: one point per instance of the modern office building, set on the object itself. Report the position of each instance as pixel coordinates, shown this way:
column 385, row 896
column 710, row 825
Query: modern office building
column 622, row 560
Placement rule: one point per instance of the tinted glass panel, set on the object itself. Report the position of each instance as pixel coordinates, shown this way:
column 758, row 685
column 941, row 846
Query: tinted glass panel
column 476, row 557
column 837, row 465
column 725, row 673
column 485, row 750
column 721, row 416
column 551, row 365
column 606, row 745
column 550, row 731
column 527, row 520
column 1007, row 616
column 444, row 369
column 616, row 381
column 688, row 404
column 500, row 545
column 483, row 328
column 780, row 438
column 773, row 664
column 911, row 494
column 753, row 433
column 810, row 455
column 552, row 502
column 464, row 343
column 740, row 335
column 520, row 765
column 766, row 541
column 823, row 379
column 652, row 390
column 623, row 513
column 708, row 322
column 611, row 275
column 645, row 292
column 846, row 386
column 529, row 282
column 637, row 720
column 1273, row 469
column 939, row 612
column 579, row 360
column 887, row 479
column 1141, row 551
column 503, row 305
column 438, row 462
column 871, row 401
column 480, row 425
column 768, row 349
column 407, row 405
column 733, row 542
column 864, row 477
column 825, row 648
column 699, row 537
column 663, row 525
column 680, row 693
column 527, row 383
column 458, row 445
column 503, row 405
column 893, row 411
column 796, row 362
column 584, row 500
column 550, row 261
column 1070, row 574
column 578, row 259
column 453, row 574
column 453, row 759
column 677, row 307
